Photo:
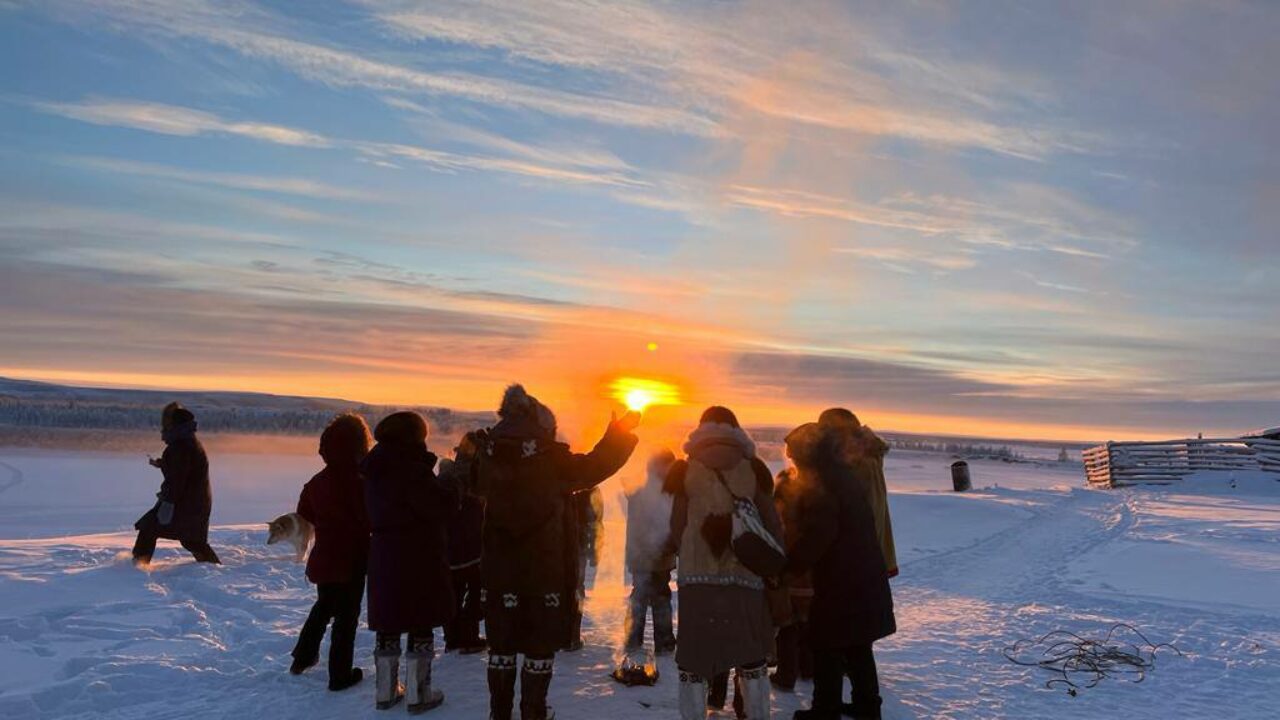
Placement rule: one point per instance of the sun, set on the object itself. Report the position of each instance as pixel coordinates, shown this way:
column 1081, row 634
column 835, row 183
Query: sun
column 639, row 394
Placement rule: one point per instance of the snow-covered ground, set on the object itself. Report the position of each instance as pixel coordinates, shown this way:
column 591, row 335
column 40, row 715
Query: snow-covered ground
column 83, row 633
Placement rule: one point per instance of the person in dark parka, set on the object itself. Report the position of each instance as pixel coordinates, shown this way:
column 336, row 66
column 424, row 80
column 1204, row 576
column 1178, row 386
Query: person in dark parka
column 835, row 540
column 463, row 632
column 185, row 499
column 333, row 502
column 527, row 478
column 410, row 587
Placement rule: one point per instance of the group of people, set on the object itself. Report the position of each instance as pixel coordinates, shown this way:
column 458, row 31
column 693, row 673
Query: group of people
column 503, row 531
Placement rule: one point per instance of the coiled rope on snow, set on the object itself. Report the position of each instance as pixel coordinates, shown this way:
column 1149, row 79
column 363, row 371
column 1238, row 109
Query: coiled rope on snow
column 1080, row 663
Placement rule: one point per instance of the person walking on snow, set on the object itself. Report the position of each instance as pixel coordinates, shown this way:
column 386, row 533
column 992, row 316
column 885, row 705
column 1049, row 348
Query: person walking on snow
column 185, row 500
column 463, row 632
column 333, row 502
column 527, row 479
column 724, row 614
column 410, row 587
column 649, row 560
column 835, row 541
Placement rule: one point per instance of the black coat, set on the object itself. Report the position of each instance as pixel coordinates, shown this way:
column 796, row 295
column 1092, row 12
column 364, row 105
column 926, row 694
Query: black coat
column 835, row 540
column 465, row 527
column 410, row 588
column 333, row 502
column 186, row 484
column 527, row 482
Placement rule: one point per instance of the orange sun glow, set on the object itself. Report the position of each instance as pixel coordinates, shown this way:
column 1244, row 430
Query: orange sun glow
column 640, row 393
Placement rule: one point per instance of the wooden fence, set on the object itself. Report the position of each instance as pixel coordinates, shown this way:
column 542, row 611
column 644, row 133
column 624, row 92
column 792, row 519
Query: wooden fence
column 1131, row 463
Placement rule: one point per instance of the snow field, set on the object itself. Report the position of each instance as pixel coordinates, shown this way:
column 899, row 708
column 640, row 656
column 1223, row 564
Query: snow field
column 84, row 634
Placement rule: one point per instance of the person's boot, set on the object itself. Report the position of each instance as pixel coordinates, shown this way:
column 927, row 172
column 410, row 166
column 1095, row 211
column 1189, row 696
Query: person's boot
column 754, row 689
column 868, row 709
column 693, row 697
column 739, row 705
column 784, row 678
column 352, row 679
column 828, row 681
column 388, row 691
column 419, row 695
column 804, row 652
column 718, row 692
column 502, row 686
column 664, row 639
column 301, row 665
column 815, row 714
column 535, row 681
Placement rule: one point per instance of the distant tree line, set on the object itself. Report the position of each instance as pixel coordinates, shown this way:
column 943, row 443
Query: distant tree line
column 967, row 450
column 78, row 414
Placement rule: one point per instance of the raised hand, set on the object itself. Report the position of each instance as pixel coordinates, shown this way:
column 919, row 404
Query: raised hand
column 629, row 421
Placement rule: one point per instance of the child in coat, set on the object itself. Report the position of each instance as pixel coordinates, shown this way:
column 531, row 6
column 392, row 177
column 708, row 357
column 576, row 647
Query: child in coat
column 333, row 502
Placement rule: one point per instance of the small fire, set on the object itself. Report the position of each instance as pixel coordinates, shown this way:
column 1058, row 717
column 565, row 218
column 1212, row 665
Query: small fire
column 641, row 393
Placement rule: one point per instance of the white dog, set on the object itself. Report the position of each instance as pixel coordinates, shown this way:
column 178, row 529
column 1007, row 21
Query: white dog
column 293, row 529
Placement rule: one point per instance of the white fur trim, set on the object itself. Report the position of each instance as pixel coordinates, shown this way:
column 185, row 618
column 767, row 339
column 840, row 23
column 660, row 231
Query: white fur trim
column 708, row 432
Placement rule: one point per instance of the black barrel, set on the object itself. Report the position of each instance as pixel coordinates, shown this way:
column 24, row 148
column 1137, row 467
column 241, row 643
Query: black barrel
column 960, row 480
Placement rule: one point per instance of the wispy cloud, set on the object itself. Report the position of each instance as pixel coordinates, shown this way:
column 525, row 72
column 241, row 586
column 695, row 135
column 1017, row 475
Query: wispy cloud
column 175, row 120
column 304, row 187
column 172, row 120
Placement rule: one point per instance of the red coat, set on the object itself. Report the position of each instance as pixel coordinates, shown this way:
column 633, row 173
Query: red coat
column 333, row 502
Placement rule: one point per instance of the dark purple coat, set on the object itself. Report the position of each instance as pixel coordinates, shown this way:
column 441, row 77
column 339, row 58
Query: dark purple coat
column 186, row 484
column 333, row 502
column 409, row 510
column 835, row 538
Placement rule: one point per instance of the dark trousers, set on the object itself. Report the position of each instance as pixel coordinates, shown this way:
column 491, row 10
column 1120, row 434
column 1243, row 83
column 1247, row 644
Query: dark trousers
column 464, row 630
column 831, row 667
column 145, row 547
column 650, row 591
column 795, row 659
column 339, row 603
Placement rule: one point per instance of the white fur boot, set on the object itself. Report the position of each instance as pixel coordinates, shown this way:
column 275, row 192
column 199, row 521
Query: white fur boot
column 388, row 690
column 418, row 693
column 756, row 692
column 693, row 697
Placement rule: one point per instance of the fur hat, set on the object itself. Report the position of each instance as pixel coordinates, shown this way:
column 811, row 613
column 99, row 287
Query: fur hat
column 804, row 443
column 174, row 414
column 839, row 417
column 719, row 415
column 345, row 439
column 518, row 404
column 404, row 427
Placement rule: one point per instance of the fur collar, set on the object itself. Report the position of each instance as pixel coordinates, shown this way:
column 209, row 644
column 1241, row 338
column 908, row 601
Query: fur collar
column 712, row 435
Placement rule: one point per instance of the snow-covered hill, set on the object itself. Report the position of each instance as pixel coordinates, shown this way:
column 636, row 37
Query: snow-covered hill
column 84, row 634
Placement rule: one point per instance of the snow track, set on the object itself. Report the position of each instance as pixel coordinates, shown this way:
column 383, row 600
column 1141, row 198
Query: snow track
column 959, row 610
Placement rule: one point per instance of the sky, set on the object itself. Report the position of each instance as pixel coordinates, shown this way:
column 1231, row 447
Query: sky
column 1014, row 219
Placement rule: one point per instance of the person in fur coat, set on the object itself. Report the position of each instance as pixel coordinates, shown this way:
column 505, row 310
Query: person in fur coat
column 185, row 500
column 863, row 453
column 724, row 614
column 410, row 586
column 333, row 502
column 527, row 478
column 834, row 539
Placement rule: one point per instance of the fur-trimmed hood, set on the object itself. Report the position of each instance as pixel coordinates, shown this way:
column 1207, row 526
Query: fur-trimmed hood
column 719, row 446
